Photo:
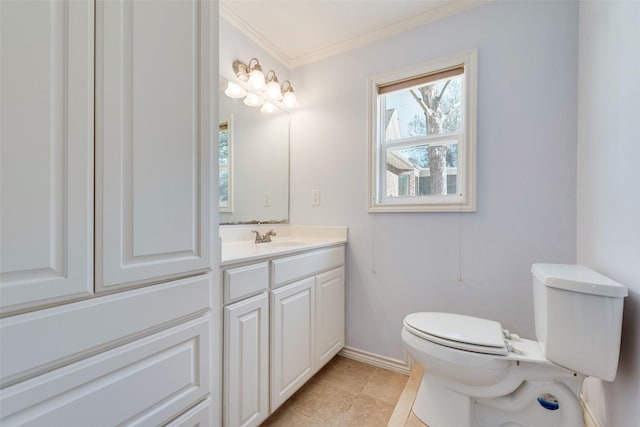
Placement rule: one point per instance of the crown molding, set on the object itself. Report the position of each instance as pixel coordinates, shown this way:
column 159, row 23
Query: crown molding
column 447, row 9
column 440, row 12
column 254, row 35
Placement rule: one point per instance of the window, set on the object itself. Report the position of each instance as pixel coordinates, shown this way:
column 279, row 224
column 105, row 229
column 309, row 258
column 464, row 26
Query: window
column 224, row 167
column 422, row 137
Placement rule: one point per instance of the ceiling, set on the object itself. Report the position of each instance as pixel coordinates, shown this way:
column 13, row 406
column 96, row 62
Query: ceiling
column 298, row 32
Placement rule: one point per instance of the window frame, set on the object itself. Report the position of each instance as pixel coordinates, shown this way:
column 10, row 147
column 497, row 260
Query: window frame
column 465, row 199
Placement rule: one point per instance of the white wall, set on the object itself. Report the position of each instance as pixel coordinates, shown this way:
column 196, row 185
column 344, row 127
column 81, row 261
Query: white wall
column 399, row 263
column 608, row 231
column 234, row 45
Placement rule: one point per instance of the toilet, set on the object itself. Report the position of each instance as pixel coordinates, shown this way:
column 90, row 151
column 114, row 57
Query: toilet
column 478, row 374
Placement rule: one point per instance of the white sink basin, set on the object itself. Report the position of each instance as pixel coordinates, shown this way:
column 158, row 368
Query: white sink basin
column 282, row 244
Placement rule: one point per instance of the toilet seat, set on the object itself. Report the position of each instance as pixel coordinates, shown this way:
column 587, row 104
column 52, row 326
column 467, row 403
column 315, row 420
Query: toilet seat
column 458, row 331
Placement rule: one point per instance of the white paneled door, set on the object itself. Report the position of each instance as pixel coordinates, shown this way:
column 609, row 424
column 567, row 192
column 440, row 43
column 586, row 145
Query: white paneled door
column 152, row 140
column 292, row 338
column 329, row 315
column 246, row 361
column 46, row 152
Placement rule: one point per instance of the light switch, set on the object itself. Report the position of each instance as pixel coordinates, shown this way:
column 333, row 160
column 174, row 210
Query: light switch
column 315, row 197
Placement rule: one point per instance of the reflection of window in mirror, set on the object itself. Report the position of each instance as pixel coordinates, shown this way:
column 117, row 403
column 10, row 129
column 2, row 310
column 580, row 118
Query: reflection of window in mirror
column 225, row 190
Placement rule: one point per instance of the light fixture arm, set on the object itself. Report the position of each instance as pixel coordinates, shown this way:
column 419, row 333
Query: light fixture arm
column 256, row 65
column 271, row 76
column 241, row 70
column 286, row 86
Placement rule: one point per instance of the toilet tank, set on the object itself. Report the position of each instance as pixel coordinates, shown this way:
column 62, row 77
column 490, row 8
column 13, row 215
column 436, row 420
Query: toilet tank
column 578, row 318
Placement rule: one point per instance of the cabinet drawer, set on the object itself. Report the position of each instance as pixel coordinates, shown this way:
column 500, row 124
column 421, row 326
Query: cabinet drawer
column 288, row 269
column 199, row 415
column 245, row 281
column 146, row 382
column 73, row 331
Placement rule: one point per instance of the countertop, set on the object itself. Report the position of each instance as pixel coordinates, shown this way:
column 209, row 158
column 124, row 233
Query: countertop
column 288, row 241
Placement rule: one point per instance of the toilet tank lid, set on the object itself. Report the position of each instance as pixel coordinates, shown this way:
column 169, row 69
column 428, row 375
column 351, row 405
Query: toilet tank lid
column 577, row 278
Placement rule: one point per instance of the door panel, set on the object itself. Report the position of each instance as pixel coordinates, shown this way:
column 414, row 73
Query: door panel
column 246, row 362
column 46, row 144
column 329, row 315
column 292, row 339
column 152, row 140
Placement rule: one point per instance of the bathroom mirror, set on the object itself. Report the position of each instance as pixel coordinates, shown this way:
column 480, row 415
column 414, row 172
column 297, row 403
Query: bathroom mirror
column 254, row 163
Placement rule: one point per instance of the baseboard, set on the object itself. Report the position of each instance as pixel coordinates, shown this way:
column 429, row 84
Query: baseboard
column 401, row 366
column 589, row 419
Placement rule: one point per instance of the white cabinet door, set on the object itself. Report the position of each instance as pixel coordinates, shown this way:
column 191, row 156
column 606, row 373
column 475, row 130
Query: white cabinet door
column 246, row 361
column 46, row 152
column 154, row 85
column 329, row 315
column 292, row 338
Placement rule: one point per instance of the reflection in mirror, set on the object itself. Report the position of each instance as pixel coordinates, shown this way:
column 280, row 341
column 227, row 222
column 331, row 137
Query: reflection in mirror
column 254, row 163
column 225, row 190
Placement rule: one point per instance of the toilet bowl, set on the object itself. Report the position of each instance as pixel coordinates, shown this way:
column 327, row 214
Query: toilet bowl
column 477, row 374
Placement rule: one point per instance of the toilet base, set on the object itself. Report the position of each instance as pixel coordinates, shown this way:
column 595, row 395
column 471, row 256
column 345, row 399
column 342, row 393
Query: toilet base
column 438, row 406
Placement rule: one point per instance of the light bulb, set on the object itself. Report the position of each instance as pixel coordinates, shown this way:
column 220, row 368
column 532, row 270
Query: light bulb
column 268, row 107
column 234, row 91
column 253, row 100
column 256, row 79
column 273, row 90
column 289, row 99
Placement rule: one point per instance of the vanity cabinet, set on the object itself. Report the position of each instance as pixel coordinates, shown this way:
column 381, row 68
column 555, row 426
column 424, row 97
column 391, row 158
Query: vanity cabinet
column 293, row 324
column 246, row 345
column 271, row 351
column 307, row 330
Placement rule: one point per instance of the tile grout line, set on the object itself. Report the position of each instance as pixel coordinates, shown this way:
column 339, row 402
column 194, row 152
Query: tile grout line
column 353, row 408
column 402, row 411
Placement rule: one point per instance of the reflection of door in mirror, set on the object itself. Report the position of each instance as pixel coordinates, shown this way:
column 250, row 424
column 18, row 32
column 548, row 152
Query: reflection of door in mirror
column 225, row 190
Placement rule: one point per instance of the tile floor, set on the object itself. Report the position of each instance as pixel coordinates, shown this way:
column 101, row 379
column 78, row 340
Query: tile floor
column 351, row 393
column 344, row 393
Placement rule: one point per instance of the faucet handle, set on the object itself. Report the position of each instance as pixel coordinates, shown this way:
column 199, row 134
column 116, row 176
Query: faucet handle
column 267, row 236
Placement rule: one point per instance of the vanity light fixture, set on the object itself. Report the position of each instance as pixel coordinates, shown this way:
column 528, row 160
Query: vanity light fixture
column 273, row 87
column 251, row 73
column 289, row 100
column 253, row 100
column 268, row 107
column 260, row 89
column 235, row 91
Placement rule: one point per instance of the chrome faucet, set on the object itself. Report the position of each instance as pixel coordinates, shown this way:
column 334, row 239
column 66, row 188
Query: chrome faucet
column 266, row 238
